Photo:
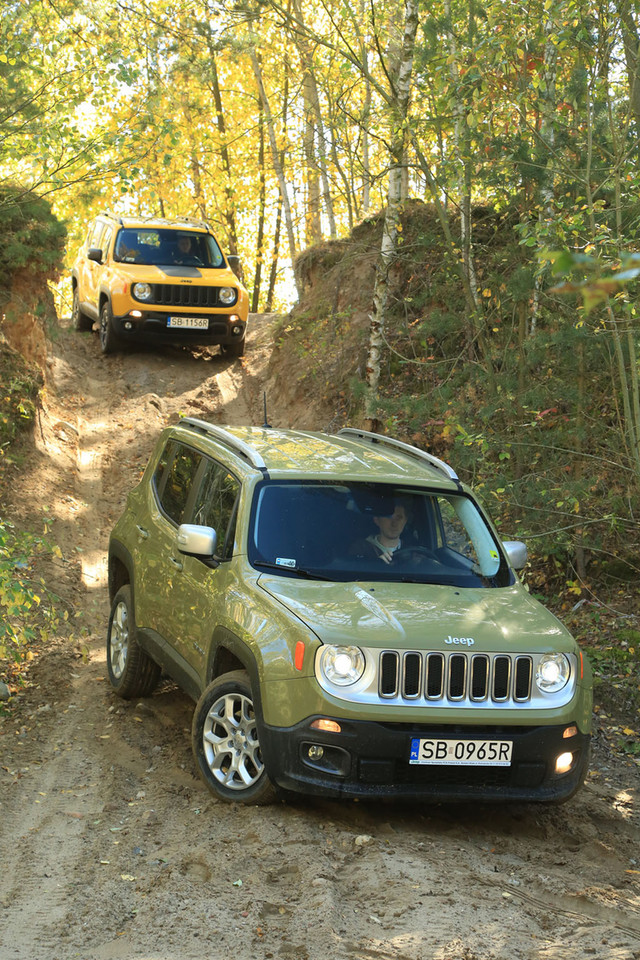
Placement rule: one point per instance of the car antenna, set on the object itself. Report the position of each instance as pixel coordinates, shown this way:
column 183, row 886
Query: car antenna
column 266, row 423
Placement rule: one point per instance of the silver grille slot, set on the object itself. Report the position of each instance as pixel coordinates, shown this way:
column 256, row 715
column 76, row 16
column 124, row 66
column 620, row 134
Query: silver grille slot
column 412, row 675
column 434, row 686
column 388, row 680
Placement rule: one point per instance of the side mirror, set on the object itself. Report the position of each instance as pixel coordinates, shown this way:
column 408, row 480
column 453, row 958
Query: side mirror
column 195, row 540
column 234, row 262
column 95, row 254
column 516, row 553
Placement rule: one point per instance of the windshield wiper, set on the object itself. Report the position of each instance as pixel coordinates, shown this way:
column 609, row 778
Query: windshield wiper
column 304, row 574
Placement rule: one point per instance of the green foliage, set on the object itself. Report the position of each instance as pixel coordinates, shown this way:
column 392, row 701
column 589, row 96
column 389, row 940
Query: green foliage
column 30, row 236
column 29, row 611
column 18, row 396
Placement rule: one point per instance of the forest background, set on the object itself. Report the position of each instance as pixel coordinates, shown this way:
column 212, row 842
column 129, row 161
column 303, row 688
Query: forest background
column 447, row 194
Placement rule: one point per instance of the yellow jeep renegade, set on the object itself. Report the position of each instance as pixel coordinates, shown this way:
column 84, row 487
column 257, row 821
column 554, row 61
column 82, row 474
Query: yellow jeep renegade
column 157, row 281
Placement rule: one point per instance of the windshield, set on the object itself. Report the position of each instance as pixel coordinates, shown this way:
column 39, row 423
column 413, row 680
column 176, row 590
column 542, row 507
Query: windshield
column 167, row 247
column 364, row 531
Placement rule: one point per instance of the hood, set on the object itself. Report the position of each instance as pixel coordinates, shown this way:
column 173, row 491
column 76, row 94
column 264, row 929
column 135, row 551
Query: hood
column 421, row 616
column 221, row 276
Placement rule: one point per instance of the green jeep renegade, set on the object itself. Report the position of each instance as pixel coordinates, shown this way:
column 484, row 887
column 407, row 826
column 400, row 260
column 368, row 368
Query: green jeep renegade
column 347, row 619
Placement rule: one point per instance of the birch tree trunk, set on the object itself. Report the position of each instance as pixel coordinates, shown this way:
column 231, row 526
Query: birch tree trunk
column 399, row 103
column 547, row 136
column 275, row 154
column 262, row 203
column 312, row 217
column 461, row 152
column 311, row 89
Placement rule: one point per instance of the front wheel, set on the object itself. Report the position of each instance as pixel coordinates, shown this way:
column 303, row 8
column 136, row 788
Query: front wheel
column 131, row 672
column 225, row 742
column 109, row 340
column 232, row 350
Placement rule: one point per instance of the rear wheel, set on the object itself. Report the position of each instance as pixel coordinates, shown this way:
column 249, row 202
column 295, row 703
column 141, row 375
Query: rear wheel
column 79, row 319
column 109, row 340
column 132, row 673
column 225, row 742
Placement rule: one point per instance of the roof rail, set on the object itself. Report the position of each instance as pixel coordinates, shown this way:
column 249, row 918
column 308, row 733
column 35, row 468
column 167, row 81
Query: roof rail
column 417, row 454
column 112, row 216
column 228, row 439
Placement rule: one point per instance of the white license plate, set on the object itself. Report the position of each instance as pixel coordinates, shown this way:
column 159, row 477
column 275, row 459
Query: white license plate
column 189, row 323
column 490, row 753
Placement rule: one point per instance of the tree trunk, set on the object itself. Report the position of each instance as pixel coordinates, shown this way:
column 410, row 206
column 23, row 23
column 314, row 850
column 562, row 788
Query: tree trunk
column 312, row 218
column 275, row 155
column 311, row 89
column 631, row 44
column 399, row 104
column 262, row 202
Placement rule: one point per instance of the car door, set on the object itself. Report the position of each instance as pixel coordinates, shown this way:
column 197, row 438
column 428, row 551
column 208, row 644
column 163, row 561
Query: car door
column 159, row 565
column 91, row 270
column 204, row 584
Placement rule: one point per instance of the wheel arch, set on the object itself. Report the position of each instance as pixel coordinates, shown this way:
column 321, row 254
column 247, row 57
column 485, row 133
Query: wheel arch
column 103, row 297
column 120, row 570
column 227, row 653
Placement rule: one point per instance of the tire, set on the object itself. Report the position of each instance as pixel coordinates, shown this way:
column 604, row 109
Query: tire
column 232, row 350
column 131, row 672
column 225, row 742
column 80, row 320
column 109, row 340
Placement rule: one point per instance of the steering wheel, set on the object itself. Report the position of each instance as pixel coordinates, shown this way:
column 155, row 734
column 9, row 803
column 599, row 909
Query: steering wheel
column 413, row 553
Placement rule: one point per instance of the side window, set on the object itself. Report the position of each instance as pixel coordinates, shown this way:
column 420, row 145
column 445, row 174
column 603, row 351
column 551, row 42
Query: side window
column 174, row 478
column 95, row 234
column 105, row 241
column 215, row 505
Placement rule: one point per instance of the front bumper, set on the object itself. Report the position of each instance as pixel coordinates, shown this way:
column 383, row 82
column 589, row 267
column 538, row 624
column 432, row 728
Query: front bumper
column 371, row 760
column 152, row 328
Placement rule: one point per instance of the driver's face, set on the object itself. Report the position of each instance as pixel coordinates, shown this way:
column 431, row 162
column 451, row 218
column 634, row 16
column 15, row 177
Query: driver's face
column 391, row 527
column 184, row 244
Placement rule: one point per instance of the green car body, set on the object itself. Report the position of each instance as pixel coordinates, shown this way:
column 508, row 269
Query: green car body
column 318, row 666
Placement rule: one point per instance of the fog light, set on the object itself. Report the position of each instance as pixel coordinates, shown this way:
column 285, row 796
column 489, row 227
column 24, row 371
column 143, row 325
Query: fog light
column 564, row 762
column 128, row 325
column 330, row 726
column 315, row 752
column 569, row 732
column 236, row 331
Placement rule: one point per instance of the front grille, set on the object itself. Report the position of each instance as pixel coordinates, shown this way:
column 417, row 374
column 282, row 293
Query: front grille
column 454, row 677
column 184, row 295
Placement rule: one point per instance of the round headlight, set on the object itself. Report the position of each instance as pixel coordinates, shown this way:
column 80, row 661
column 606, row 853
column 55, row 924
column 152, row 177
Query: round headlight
column 553, row 673
column 342, row 665
column 227, row 295
column 141, row 291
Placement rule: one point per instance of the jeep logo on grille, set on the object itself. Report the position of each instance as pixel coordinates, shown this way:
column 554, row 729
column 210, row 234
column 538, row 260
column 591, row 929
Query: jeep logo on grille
column 463, row 641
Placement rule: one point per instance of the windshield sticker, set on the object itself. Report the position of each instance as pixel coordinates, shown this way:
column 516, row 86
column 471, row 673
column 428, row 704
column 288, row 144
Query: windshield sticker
column 284, row 562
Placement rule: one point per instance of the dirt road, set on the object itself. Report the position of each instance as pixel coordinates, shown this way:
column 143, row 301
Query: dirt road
column 113, row 848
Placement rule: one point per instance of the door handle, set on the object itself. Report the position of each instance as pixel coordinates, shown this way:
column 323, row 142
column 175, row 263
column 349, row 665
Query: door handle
column 175, row 563
column 143, row 533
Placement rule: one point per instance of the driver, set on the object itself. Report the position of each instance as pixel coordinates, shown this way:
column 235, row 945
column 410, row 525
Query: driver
column 386, row 540
column 185, row 250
